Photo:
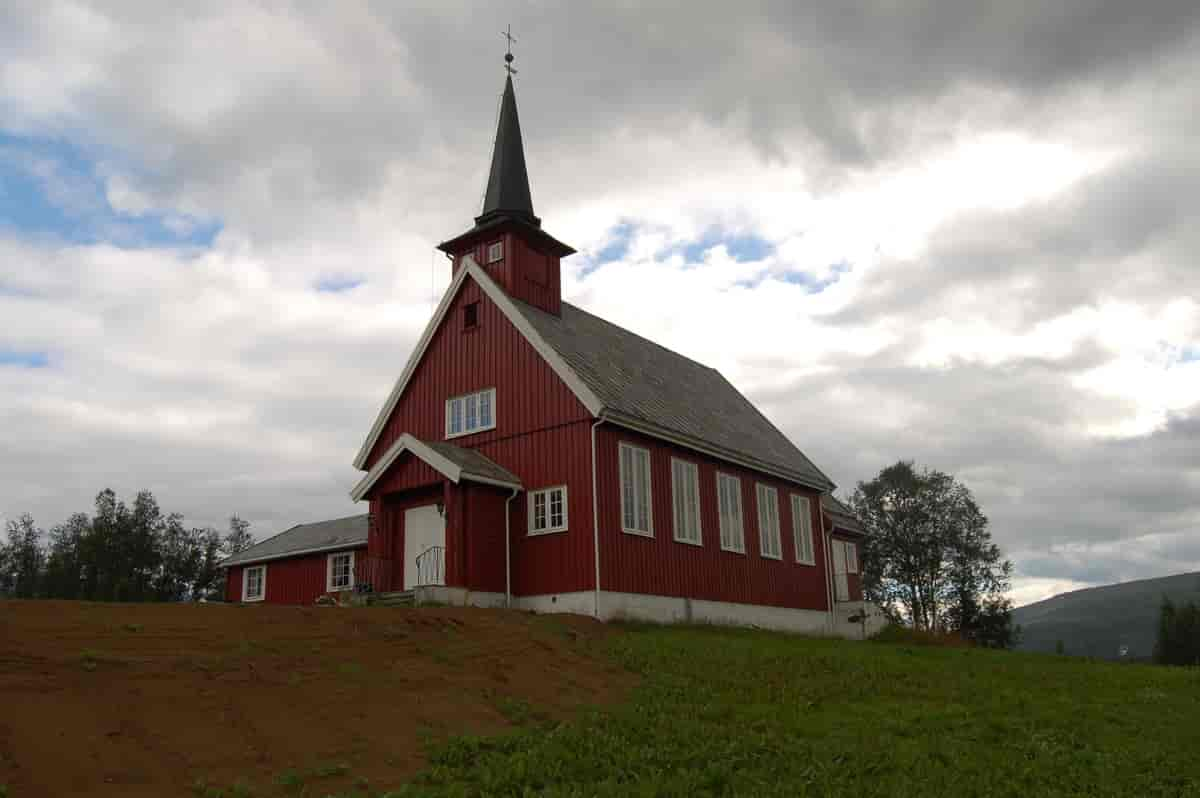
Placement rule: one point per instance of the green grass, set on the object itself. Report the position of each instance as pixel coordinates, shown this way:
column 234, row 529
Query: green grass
column 738, row 712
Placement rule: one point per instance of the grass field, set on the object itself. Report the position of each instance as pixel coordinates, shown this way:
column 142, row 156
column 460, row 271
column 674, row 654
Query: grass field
column 271, row 701
column 726, row 712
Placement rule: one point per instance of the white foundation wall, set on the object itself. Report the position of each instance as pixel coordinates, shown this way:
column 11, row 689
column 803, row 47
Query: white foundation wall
column 670, row 609
column 456, row 597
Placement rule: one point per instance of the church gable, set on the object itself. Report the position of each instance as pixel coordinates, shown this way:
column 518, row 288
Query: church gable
column 473, row 347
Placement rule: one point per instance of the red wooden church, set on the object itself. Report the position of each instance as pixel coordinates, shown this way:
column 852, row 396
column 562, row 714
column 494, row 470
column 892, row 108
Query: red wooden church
column 536, row 456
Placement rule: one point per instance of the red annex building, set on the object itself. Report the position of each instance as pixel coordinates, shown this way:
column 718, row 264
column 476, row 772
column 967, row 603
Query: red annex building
column 536, row 456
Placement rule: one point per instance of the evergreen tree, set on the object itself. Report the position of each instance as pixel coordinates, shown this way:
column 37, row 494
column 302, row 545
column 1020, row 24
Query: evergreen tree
column 239, row 538
column 24, row 559
column 208, row 584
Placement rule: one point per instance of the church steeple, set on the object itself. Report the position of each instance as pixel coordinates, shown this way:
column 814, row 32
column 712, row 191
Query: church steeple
column 508, row 182
column 507, row 240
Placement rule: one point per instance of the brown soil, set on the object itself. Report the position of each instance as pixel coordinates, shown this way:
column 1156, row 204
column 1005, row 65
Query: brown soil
column 150, row 700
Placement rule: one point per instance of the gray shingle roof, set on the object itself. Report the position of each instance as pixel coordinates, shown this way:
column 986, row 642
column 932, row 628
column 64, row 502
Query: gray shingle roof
column 319, row 536
column 472, row 463
column 843, row 516
column 639, row 381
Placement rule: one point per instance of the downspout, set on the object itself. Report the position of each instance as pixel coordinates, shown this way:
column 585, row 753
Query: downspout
column 829, row 576
column 596, row 518
column 508, row 551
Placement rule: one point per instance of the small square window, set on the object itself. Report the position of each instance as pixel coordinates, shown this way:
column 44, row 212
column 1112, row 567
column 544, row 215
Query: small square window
column 471, row 315
column 495, row 252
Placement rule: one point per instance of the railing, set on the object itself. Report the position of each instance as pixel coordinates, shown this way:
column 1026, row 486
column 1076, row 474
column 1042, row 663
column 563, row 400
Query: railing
column 431, row 567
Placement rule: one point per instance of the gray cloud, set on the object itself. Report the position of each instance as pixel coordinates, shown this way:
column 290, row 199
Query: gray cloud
column 348, row 140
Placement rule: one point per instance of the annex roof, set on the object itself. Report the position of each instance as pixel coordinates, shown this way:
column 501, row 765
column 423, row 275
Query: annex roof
column 340, row 533
column 453, row 462
column 843, row 517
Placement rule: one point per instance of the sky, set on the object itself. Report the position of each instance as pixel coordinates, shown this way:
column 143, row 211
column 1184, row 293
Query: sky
column 957, row 233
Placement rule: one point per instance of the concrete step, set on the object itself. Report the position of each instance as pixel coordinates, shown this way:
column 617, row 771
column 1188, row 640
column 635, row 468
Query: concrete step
column 396, row 598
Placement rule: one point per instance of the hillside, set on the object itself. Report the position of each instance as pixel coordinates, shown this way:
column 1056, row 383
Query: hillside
column 265, row 702
column 1098, row 621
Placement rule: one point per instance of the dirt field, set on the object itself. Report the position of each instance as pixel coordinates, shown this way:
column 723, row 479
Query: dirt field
column 152, row 700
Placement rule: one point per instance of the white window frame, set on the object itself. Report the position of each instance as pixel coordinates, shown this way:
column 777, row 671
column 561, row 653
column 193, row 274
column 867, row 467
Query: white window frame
column 851, row 557
column 690, row 472
column 802, row 529
column 490, row 393
column 329, row 558
column 649, row 489
column 495, row 252
column 765, row 518
column 547, row 492
column 733, row 529
column 262, row 583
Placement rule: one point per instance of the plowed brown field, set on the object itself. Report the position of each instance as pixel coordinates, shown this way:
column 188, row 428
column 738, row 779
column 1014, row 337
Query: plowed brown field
column 151, row 700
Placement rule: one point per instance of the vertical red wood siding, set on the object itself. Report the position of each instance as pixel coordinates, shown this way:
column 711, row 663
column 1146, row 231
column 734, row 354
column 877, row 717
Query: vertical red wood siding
column 526, row 272
column 292, row 580
column 484, row 540
column 662, row 566
column 493, row 354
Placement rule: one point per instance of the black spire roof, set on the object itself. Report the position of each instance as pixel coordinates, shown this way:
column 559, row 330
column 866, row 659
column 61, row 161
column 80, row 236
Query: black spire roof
column 508, row 182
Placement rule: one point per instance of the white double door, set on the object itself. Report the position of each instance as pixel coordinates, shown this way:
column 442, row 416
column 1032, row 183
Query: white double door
column 424, row 528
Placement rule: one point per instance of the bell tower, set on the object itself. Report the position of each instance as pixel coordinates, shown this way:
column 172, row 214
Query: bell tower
column 507, row 239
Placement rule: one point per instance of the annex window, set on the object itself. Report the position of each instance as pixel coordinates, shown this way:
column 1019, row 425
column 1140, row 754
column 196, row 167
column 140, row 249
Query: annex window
column 254, row 583
column 636, row 517
column 473, row 412
column 851, row 558
column 768, row 522
column 729, row 505
column 339, row 571
column 495, row 251
column 548, row 510
column 685, row 499
column 802, row 532
column 470, row 315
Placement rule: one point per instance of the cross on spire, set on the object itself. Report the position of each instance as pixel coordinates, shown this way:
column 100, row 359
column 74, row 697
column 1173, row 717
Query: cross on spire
column 508, row 56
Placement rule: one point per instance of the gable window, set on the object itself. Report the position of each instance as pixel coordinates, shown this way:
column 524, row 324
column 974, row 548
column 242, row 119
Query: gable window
column 685, row 499
column 470, row 315
column 495, row 251
column 636, row 517
column 729, row 507
column 473, row 412
column 768, row 522
column 548, row 510
column 254, row 583
column 802, row 532
column 339, row 571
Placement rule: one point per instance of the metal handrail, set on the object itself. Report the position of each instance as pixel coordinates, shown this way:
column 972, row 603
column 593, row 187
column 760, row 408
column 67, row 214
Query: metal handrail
column 431, row 566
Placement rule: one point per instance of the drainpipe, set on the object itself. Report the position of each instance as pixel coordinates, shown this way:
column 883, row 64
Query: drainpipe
column 828, row 576
column 508, row 551
column 596, row 517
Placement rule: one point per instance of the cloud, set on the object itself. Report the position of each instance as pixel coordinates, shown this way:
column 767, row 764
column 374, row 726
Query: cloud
column 961, row 234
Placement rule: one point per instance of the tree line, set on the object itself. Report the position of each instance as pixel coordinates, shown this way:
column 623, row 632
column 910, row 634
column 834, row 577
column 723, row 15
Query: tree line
column 119, row 553
column 929, row 561
column 1178, row 640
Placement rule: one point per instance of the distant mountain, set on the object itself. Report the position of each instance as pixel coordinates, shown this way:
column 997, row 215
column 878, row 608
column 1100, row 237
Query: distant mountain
column 1104, row 621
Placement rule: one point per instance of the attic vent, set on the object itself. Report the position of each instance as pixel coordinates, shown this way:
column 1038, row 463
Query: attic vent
column 495, row 252
column 470, row 315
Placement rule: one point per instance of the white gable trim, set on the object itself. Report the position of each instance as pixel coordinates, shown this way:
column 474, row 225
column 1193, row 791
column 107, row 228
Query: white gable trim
column 514, row 316
column 407, row 443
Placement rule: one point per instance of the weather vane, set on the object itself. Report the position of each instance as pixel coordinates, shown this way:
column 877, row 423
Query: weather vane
column 508, row 57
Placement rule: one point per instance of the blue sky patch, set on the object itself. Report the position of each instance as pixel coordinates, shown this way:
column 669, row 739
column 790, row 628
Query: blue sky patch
column 49, row 188
column 742, row 247
column 804, row 279
column 1189, row 354
column 338, row 285
column 24, row 359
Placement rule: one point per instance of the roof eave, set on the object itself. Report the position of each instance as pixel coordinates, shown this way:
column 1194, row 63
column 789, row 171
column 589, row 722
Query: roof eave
column 339, row 546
